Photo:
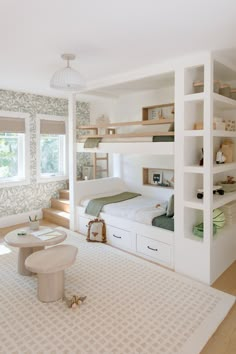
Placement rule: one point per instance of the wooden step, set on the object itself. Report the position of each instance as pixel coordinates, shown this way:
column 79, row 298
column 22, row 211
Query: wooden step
column 60, row 204
column 64, row 194
column 56, row 216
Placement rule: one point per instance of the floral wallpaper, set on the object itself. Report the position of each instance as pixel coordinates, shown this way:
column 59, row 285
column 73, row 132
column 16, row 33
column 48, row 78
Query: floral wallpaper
column 21, row 199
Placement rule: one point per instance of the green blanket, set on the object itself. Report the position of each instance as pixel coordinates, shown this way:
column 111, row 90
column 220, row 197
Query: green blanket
column 92, row 142
column 95, row 206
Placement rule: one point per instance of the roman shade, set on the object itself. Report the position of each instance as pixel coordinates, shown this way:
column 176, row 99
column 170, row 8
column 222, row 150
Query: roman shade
column 52, row 127
column 12, row 125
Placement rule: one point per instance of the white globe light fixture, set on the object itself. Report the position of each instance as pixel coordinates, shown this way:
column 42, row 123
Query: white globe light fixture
column 67, row 78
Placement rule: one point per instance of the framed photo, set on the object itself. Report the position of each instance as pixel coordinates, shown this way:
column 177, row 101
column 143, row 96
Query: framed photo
column 156, row 177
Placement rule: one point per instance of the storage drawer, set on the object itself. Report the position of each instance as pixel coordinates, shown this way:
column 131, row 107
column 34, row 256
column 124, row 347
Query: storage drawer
column 83, row 225
column 118, row 237
column 155, row 249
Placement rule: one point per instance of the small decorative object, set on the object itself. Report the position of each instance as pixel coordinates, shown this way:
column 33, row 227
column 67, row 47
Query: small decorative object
column 229, row 185
column 157, row 177
column 225, row 90
column 227, row 148
column 75, row 301
column 34, row 223
column 198, row 230
column 216, row 189
column 220, row 158
column 96, row 231
column 218, row 218
column 202, row 159
column 21, row 233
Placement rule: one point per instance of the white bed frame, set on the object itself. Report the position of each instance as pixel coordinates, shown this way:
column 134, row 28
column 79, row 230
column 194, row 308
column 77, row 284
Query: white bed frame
column 150, row 242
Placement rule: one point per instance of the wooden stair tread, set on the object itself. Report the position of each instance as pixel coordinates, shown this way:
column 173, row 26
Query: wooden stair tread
column 57, row 212
column 61, row 200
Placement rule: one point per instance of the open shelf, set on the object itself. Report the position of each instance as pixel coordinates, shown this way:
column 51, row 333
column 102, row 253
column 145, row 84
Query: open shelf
column 220, row 200
column 194, row 97
column 194, row 169
column 194, row 132
column 224, row 167
column 127, row 124
column 224, row 133
column 224, row 103
column 194, row 204
column 161, row 175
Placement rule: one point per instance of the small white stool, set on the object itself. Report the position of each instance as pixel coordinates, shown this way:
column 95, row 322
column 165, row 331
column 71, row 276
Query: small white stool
column 50, row 264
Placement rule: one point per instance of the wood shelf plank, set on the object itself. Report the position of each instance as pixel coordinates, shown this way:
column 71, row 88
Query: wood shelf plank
column 126, row 124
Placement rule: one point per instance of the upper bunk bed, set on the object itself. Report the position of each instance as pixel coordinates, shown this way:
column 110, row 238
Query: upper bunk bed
column 140, row 114
column 108, row 138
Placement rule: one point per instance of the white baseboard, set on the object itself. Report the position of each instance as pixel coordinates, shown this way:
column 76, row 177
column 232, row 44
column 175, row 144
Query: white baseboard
column 15, row 219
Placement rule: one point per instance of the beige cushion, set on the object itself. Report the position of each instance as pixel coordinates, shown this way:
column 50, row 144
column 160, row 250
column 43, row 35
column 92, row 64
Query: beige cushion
column 51, row 260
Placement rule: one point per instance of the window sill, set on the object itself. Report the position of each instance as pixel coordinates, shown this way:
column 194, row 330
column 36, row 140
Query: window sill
column 51, row 179
column 14, row 183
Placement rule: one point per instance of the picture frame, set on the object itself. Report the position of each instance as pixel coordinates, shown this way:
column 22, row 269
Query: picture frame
column 157, row 177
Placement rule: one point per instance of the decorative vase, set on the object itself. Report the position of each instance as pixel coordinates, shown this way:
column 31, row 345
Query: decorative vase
column 34, row 225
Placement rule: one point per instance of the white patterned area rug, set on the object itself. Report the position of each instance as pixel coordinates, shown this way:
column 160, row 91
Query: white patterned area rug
column 132, row 306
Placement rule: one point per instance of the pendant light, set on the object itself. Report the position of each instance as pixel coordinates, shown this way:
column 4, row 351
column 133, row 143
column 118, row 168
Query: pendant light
column 67, row 78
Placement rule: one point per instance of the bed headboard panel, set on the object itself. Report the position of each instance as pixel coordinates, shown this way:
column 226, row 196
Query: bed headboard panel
column 97, row 186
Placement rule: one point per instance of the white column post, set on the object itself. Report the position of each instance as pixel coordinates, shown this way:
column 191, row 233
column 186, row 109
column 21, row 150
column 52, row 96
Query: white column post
column 72, row 158
column 208, row 163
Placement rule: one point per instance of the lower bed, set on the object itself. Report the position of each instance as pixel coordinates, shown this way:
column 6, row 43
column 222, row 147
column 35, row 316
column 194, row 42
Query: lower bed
column 129, row 225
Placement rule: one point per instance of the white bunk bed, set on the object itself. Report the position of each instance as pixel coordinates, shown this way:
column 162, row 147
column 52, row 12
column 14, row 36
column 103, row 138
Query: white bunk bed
column 148, row 241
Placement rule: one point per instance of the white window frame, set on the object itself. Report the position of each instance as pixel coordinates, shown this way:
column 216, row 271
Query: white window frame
column 15, row 181
column 49, row 177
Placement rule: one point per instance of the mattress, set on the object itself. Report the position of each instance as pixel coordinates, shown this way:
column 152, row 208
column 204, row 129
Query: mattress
column 140, row 209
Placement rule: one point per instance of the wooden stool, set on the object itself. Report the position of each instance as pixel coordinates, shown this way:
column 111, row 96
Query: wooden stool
column 50, row 264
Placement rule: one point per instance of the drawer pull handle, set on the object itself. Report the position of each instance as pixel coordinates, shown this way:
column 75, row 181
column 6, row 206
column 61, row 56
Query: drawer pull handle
column 116, row 236
column 152, row 249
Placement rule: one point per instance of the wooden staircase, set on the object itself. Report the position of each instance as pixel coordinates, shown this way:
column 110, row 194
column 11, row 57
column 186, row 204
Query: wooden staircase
column 59, row 213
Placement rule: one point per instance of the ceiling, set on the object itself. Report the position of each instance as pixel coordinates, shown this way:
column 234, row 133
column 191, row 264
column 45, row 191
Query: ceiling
column 108, row 36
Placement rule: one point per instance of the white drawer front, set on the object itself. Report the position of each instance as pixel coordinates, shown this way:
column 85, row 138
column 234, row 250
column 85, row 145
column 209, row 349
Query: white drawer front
column 83, row 225
column 155, row 249
column 118, row 237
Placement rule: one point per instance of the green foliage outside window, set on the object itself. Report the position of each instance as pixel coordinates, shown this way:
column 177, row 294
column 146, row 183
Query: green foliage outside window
column 49, row 152
column 8, row 155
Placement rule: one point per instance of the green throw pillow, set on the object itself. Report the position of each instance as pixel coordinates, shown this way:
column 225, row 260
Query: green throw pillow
column 171, row 206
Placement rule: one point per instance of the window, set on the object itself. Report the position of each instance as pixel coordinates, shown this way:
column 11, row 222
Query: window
column 12, row 150
column 52, row 148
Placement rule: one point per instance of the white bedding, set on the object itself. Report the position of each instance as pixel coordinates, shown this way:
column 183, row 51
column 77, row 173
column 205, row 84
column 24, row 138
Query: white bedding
column 140, row 209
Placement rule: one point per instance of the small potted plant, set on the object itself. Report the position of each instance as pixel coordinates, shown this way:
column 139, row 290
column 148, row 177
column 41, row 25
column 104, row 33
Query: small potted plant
column 34, row 223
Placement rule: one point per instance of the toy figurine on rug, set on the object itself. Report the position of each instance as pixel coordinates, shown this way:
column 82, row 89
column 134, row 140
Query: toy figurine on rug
column 75, row 301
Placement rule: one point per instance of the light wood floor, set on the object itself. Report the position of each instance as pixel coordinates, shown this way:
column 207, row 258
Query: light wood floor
column 223, row 340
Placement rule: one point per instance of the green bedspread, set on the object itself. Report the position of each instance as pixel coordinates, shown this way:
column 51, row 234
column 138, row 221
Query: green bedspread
column 164, row 222
column 95, row 206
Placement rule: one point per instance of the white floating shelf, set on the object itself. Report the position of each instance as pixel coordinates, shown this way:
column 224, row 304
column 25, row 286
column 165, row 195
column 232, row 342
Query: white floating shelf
column 220, row 200
column 224, row 133
column 194, row 97
column 194, row 169
column 223, row 102
column 156, row 148
column 194, row 132
column 194, row 204
column 224, row 167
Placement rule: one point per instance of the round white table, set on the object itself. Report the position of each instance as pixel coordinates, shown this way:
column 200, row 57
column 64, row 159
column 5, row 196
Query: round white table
column 28, row 244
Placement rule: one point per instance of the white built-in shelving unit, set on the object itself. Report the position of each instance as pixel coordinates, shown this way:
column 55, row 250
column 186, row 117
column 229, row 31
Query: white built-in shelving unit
column 203, row 258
